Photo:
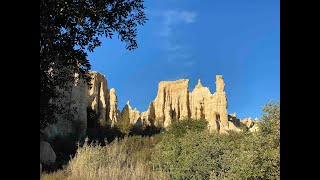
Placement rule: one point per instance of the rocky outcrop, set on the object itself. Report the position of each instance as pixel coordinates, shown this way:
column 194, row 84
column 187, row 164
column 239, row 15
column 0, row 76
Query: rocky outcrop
column 247, row 122
column 254, row 128
column 133, row 115
column 114, row 113
column 80, row 97
column 40, row 168
column 98, row 96
column 174, row 101
column 47, row 155
column 148, row 117
column 171, row 102
column 73, row 120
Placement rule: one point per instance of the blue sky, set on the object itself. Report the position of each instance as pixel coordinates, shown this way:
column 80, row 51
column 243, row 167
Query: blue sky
column 199, row 39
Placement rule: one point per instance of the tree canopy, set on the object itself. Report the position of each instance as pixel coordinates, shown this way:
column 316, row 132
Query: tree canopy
column 70, row 28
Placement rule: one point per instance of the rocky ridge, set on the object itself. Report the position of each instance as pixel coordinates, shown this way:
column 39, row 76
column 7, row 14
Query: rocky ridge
column 173, row 101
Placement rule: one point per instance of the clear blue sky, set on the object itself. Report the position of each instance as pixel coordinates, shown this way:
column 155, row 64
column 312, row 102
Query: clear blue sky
column 199, row 39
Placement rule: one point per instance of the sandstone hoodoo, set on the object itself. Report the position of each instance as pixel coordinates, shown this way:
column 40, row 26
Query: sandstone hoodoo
column 173, row 101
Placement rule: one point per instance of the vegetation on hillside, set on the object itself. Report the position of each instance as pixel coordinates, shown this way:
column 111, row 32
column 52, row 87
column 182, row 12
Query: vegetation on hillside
column 184, row 153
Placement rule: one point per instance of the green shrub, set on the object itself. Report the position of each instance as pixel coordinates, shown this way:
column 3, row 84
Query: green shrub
column 186, row 154
column 180, row 127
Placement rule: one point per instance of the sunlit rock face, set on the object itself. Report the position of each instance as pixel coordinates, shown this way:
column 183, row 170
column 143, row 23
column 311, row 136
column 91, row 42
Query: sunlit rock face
column 175, row 101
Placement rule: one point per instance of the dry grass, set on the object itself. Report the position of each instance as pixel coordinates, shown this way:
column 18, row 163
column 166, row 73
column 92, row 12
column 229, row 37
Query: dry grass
column 114, row 161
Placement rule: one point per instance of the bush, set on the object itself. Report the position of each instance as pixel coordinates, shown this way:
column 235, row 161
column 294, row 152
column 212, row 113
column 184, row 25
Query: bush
column 186, row 154
column 180, row 127
column 114, row 161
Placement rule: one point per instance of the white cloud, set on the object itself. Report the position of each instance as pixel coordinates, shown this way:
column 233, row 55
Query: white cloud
column 188, row 16
column 174, row 18
column 172, row 23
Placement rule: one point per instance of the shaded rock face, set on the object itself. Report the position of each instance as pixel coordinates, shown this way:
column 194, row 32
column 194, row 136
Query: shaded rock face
column 98, row 96
column 134, row 115
column 75, row 101
column 148, row 117
column 47, row 155
column 80, row 97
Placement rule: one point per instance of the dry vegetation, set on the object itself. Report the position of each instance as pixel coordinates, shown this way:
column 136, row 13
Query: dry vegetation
column 182, row 153
column 125, row 159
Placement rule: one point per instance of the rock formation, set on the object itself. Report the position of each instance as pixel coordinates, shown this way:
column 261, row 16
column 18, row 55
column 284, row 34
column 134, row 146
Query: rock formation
column 114, row 113
column 133, row 115
column 174, row 101
column 171, row 102
column 98, row 96
column 247, row 122
column 75, row 103
column 80, row 97
column 254, row 128
column 147, row 117
column 47, row 155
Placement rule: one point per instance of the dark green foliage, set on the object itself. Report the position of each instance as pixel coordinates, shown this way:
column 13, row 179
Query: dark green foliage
column 180, row 127
column 124, row 124
column 64, row 147
column 200, row 155
column 145, row 131
column 69, row 28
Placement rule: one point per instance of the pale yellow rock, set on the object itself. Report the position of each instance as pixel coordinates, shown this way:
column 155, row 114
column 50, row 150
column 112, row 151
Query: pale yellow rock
column 148, row 117
column 114, row 115
column 174, row 101
column 254, row 128
column 134, row 115
column 98, row 96
column 197, row 99
column 247, row 122
column 171, row 101
column 233, row 127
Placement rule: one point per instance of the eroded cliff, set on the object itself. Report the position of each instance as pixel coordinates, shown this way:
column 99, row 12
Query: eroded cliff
column 173, row 101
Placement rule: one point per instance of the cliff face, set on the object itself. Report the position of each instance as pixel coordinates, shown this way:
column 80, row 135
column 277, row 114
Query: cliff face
column 74, row 102
column 174, row 101
column 134, row 115
column 114, row 113
column 99, row 98
column 171, row 102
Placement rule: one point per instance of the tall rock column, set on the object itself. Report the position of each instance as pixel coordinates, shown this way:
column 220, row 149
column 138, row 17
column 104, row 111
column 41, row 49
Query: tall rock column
column 222, row 104
column 113, row 107
column 98, row 96
column 172, row 101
